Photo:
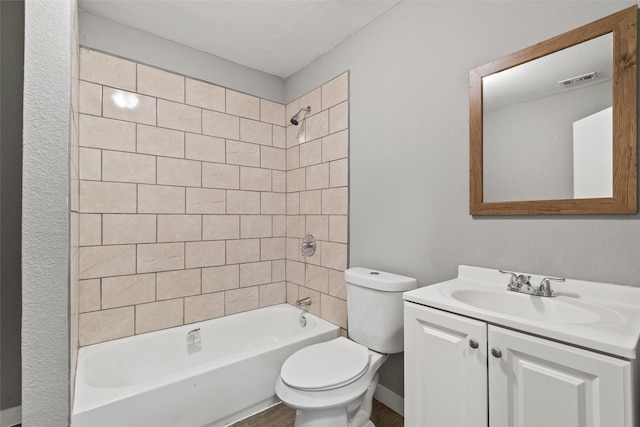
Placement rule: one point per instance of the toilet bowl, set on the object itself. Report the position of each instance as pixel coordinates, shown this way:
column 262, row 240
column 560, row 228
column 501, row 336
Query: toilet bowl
column 332, row 383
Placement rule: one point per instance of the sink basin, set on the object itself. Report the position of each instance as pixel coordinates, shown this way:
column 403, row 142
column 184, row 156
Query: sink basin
column 555, row 310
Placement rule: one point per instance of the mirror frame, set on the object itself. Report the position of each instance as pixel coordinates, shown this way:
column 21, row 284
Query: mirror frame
column 623, row 25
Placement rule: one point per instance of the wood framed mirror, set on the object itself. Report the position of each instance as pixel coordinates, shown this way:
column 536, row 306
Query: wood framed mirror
column 519, row 162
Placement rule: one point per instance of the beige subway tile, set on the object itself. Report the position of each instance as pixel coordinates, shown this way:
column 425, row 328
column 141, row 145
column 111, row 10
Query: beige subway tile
column 279, row 226
column 293, row 203
column 256, row 132
column 128, row 106
column 160, row 142
column 243, row 202
column 216, row 175
column 179, row 116
column 339, row 117
column 279, row 181
column 334, row 255
column 339, row 228
column 90, row 230
column 318, row 226
column 279, row 136
column 311, row 202
column 240, row 251
column 179, row 172
column 292, row 249
column 295, row 226
column 272, row 248
column 272, row 112
column 205, row 254
column 103, row 261
column 128, row 290
column 273, row 293
column 203, row 307
column 161, row 84
column 242, row 153
column 216, row 279
column 255, row 179
column 90, row 164
column 295, row 272
column 243, row 299
column 206, row 201
column 335, row 91
column 314, row 308
column 122, row 229
column 311, row 153
column 207, row 148
column 296, row 180
column 161, row 199
column 88, row 295
column 179, row 228
column 278, row 270
column 273, row 203
column 105, row 69
column 273, row 158
column 220, row 227
column 317, row 126
column 220, row 125
column 317, row 176
column 335, row 201
column 317, row 278
column 176, row 284
column 337, row 286
column 293, row 158
column 334, row 310
column 90, row 98
column 128, row 167
column 105, row 325
column 312, row 99
column 339, row 173
column 205, row 95
column 256, row 273
column 240, row 104
column 255, row 226
column 98, row 132
column 160, row 257
column 107, row 197
column 335, row 146
column 159, row 315
column 292, row 293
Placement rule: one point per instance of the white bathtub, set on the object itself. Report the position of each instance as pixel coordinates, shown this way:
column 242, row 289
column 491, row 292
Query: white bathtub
column 152, row 380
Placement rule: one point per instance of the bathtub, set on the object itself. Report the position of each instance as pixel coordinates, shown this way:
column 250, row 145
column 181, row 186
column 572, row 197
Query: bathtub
column 167, row 378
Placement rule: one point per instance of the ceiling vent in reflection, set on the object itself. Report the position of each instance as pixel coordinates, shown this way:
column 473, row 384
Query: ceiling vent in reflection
column 578, row 79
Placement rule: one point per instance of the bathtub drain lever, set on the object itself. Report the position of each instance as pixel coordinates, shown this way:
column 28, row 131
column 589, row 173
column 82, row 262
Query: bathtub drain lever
column 194, row 341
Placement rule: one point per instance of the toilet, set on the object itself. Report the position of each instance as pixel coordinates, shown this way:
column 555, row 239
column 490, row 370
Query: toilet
column 332, row 383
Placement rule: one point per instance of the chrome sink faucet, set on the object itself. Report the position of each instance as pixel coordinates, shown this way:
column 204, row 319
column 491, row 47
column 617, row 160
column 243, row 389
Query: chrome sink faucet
column 522, row 283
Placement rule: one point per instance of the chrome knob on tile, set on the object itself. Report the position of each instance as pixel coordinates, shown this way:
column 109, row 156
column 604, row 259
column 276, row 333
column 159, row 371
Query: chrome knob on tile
column 473, row 343
column 308, row 247
column 496, row 352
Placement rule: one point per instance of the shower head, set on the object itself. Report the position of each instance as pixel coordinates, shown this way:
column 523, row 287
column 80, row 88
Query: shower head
column 296, row 117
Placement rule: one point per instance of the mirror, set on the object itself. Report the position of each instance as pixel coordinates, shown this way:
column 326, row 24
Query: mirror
column 553, row 126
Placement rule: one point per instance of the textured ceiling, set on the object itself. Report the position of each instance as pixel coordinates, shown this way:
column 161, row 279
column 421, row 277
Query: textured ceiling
column 278, row 37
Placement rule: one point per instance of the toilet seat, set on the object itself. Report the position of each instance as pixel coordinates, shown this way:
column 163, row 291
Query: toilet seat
column 326, row 366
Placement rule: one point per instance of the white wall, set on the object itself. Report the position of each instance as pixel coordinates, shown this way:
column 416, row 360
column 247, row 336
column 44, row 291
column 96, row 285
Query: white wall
column 409, row 166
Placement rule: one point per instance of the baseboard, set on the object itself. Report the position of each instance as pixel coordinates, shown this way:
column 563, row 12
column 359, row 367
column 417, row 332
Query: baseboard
column 390, row 399
column 11, row 416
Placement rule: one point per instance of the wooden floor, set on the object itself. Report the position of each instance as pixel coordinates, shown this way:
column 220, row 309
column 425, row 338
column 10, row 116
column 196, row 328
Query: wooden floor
column 283, row 416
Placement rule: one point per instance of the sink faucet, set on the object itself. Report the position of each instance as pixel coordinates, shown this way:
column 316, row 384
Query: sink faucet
column 522, row 283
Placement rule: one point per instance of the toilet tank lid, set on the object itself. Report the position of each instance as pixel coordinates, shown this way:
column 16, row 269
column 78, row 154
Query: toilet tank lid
column 379, row 280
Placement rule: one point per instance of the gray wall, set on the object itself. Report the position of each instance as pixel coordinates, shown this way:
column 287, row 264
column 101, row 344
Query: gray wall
column 11, row 75
column 108, row 36
column 409, row 161
column 45, row 231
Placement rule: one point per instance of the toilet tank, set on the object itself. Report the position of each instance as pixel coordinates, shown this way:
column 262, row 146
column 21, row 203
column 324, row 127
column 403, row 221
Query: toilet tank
column 375, row 308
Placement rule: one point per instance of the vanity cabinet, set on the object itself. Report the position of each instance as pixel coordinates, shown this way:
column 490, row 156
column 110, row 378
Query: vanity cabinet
column 460, row 371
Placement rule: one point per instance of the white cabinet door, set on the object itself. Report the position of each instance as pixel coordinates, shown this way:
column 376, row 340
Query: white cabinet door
column 541, row 383
column 445, row 376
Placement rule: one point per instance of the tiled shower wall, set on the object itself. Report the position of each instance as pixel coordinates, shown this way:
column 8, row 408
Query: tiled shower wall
column 183, row 206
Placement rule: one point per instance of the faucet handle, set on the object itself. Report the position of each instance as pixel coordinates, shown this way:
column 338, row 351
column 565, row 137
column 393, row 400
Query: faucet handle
column 545, row 285
column 513, row 280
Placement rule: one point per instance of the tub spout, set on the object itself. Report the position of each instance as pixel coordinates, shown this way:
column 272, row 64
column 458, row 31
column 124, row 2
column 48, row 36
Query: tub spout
column 304, row 302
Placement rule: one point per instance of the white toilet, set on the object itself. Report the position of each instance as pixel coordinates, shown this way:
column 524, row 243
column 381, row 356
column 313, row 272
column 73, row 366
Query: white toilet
column 332, row 383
